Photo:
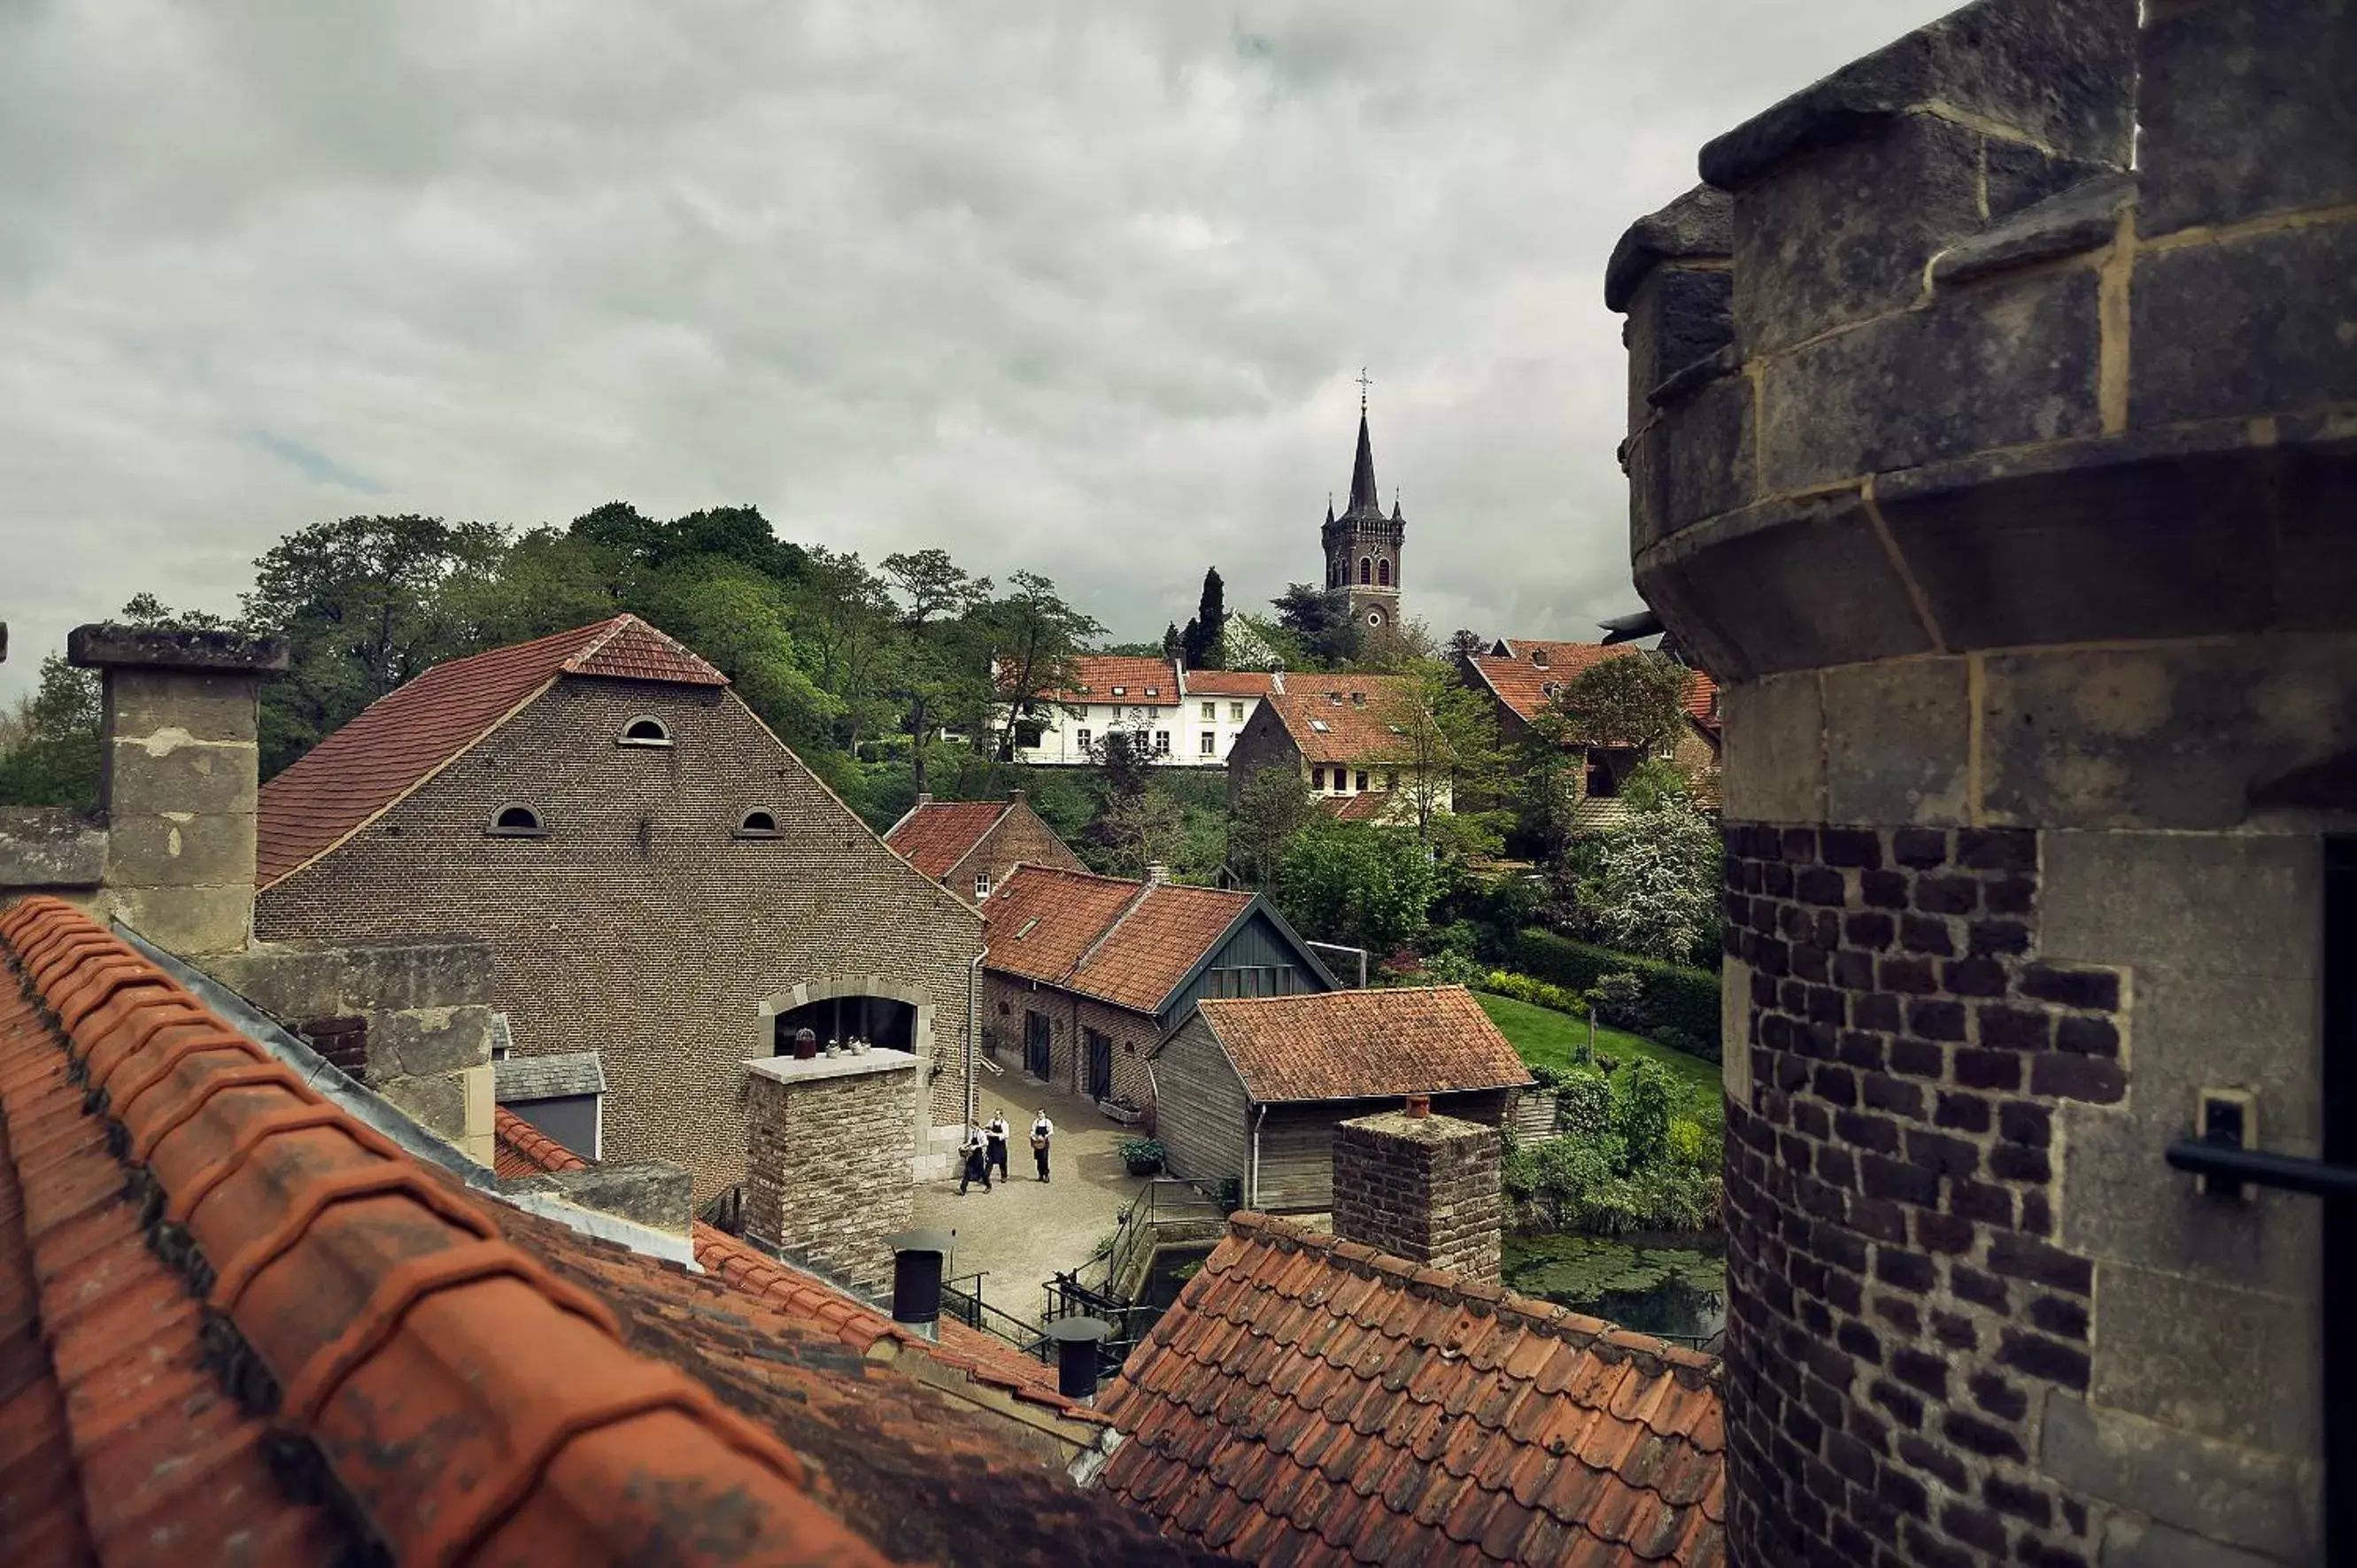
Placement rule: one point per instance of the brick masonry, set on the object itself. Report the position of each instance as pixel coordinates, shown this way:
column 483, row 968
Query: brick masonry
column 1134, row 1034
column 1426, row 1189
column 640, row 926
column 1900, row 1308
column 827, row 1165
column 1021, row 837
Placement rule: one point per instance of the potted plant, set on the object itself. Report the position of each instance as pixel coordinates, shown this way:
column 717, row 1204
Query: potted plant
column 1141, row 1155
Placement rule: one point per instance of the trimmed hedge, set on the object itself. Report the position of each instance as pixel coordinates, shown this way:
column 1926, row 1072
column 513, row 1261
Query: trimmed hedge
column 1676, row 1006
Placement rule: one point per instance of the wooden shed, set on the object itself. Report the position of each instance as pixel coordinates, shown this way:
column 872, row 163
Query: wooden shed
column 1253, row 1087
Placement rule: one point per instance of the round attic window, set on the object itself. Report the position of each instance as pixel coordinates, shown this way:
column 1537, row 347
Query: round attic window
column 644, row 730
column 758, row 824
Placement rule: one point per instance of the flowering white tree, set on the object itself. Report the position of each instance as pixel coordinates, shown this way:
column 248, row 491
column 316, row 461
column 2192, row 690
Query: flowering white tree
column 1657, row 879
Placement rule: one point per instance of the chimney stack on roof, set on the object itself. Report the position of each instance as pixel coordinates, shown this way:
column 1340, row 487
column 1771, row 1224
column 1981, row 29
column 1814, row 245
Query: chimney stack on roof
column 917, row 1279
column 1158, row 874
column 1420, row 1186
column 1077, row 1360
column 179, row 769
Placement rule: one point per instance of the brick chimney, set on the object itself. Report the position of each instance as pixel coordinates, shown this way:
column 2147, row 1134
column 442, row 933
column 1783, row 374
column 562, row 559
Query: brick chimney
column 179, row 773
column 1422, row 1187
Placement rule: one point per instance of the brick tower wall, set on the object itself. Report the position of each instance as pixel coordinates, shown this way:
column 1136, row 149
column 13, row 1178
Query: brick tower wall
column 1997, row 487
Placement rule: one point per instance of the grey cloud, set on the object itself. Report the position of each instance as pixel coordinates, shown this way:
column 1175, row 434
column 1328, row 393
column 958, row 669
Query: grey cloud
column 1073, row 287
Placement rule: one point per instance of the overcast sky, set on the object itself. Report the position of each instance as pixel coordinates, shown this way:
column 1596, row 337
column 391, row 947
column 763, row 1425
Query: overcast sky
column 1082, row 287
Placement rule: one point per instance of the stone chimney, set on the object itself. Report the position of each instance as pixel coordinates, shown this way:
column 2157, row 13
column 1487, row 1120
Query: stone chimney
column 1422, row 1187
column 179, row 773
column 830, row 1143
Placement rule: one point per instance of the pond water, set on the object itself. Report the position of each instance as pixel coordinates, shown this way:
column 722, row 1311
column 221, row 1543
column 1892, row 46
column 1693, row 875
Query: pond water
column 1674, row 1286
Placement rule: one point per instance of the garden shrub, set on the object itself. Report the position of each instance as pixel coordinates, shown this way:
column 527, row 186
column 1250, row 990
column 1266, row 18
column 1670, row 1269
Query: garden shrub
column 1670, row 997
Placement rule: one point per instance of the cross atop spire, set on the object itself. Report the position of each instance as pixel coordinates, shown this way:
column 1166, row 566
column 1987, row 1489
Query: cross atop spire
column 1365, row 382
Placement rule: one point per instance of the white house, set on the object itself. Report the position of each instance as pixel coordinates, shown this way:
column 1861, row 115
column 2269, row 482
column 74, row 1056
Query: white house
column 1183, row 718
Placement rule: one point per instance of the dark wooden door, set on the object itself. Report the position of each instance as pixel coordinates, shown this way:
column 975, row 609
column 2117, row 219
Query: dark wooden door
column 1100, row 1067
column 1035, row 1045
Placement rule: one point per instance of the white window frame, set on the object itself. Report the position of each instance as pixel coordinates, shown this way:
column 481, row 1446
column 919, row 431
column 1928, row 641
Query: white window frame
column 981, row 886
column 1162, row 743
column 1209, row 745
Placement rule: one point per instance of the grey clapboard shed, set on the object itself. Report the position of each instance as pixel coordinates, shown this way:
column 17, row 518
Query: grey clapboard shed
column 1292, row 1068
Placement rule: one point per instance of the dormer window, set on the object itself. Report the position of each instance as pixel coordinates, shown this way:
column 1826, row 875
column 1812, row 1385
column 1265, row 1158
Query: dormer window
column 1334, row 698
column 757, row 824
column 1121, row 691
column 644, row 730
column 1358, row 699
column 516, row 822
column 1550, row 688
column 1539, row 658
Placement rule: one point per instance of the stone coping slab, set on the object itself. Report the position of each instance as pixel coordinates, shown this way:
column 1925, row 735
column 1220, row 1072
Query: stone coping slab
column 789, row 1070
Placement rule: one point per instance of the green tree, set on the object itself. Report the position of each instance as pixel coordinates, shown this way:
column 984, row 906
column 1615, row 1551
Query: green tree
column 1357, row 883
column 1036, row 636
column 1203, row 644
column 1320, row 622
column 51, row 758
column 736, row 616
column 1447, row 741
column 941, row 668
column 1635, row 701
column 365, row 603
column 843, row 615
column 1136, row 832
column 1272, row 805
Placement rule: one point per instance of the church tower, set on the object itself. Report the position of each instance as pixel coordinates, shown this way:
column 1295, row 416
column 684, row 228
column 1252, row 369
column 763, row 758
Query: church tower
column 1362, row 545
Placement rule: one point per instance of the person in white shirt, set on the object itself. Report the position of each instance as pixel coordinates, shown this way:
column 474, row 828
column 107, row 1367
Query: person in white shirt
column 1041, row 1130
column 993, row 1132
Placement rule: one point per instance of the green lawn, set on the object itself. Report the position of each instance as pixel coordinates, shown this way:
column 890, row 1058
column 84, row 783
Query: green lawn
column 1547, row 1039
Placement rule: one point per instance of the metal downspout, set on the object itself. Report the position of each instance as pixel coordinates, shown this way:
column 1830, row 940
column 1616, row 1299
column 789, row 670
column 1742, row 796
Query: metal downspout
column 1253, row 1202
column 972, row 1026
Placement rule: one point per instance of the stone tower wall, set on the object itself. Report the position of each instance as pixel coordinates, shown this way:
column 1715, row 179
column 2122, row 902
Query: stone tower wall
column 2006, row 493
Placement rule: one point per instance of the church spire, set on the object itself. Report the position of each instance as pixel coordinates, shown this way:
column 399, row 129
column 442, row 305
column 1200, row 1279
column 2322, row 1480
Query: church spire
column 1363, row 498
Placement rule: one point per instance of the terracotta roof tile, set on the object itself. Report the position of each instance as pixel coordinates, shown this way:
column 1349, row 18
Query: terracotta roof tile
column 1363, row 1044
column 1142, row 683
column 937, row 835
column 1367, row 806
column 520, row 1149
column 1526, row 685
column 1229, row 682
column 984, row 1358
column 470, row 1375
column 1344, row 718
column 1396, row 1446
column 404, row 736
column 1126, row 943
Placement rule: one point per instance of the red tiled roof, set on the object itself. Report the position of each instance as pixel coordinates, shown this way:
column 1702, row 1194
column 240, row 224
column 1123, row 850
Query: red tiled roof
column 1154, row 946
column 1041, row 919
column 1522, row 684
column 1313, row 1402
column 1358, row 713
column 520, row 1149
column 1367, row 806
column 984, row 1358
column 406, row 736
column 1095, row 676
column 936, row 834
column 463, row 1399
column 481, row 1383
column 1344, row 1045
column 1229, row 682
column 1119, row 940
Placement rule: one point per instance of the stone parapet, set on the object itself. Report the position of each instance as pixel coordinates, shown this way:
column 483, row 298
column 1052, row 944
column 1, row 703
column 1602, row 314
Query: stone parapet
column 1424, row 1188
column 48, row 849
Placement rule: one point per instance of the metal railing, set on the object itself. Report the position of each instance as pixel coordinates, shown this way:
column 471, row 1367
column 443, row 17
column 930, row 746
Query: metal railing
column 1162, row 1202
column 967, row 1306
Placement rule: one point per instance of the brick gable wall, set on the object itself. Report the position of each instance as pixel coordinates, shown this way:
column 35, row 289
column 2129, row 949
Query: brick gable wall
column 1020, row 837
column 640, row 926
